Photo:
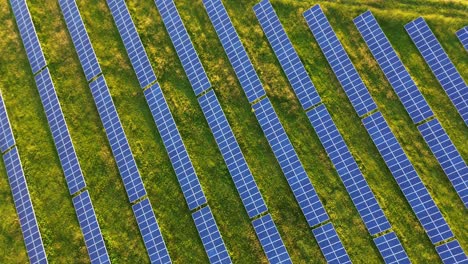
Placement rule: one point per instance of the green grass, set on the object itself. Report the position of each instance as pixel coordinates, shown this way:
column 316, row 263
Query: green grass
column 54, row 210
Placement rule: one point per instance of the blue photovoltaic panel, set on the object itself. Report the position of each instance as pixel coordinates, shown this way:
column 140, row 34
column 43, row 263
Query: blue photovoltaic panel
column 391, row 249
column 330, row 244
column 117, row 140
column 357, row 187
column 58, row 126
column 271, row 240
column 80, row 38
column 339, row 61
column 24, row 207
column 6, row 135
column 287, row 56
column 452, row 252
column 28, row 35
column 90, row 227
column 175, row 148
column 462, row 35
column 448, row 156
column 296, row 176
column 232, row 154
column 234, row 49
column 407, row 178
column 440, row 64
column 150, row 232
column 393, row 67
column 132, row 42
column 183, row 45
column 210, row 236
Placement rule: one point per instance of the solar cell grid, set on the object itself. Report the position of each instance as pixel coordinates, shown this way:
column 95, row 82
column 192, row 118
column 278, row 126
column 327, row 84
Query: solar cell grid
column 407, row 178
column 291, row 166
column 232, row 154
column 440, row 64
column 286, row 54
column 150, row 232
column 391, row 249
column 183, row 45
column 90, row 227
column 175, row 147
column 117, row 140
column 210, row 236
column 6, row 135
column 132, row 42
column 357, row 187
column 80, row 38
column 393, row 67
column 28, row 35
column 271, row 240
column 448, row 156
column 339, row 61
column 24, row 208
column 58, row 126
column 234, row 49
column 452, row 252
column 462, row 35
column 330, row 244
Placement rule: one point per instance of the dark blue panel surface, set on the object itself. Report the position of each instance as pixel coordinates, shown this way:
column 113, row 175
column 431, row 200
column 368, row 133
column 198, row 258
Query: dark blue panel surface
column 150, row 232
column 452, row 252
column 58, row 126
column 440, row 64
column 183, row 45
column 393, row 68
column 339, row 61
column 287, row 56
column 391, row 249
column 210, row 236
column 175, row 147
column 232, row 154
column 271, row 240
column 407, row 178
column 117, row 140
column 357, row 187
column 90, row 227
column 234, row 49
column 291, row 166
column 462, row 35
column 80, row 38
column 330, row 244
column 6, row 135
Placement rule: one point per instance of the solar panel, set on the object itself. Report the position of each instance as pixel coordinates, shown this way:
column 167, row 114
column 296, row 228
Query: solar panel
column 90, row 227
column 296, row 176
column 232, row 154
column 339, row 61
column 287, row 56
column 234, row 49
column 28, row 35
column 24, row 207
column 393, row 67
column 448, row 156
column 150, row 232
column 58, row 126
column 462, row 35
column 210, row 236
column 132, row 42
column 271, row 240
column 183, row 45
column 355, row 183
column 175, row 148
column 117, row 140
column 407, row 178
column 6, row 135
column 330, row 244
column 80, row 38
column 452, row 252
column 391, row 249
column 440, row 64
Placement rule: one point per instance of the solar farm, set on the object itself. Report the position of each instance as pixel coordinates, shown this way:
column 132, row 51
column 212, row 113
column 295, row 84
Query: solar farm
column 247, row 131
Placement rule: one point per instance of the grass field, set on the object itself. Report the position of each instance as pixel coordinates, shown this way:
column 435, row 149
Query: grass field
column 57, row 221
